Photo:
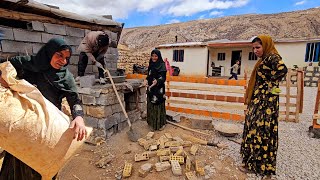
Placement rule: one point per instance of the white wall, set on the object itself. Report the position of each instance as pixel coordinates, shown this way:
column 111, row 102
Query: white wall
column 245, row 63
column 195, row 60
column 292, row 53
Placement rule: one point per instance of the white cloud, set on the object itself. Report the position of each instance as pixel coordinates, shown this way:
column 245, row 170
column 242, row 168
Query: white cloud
column 300, row 3
column 173, row 21
column 120, row 9
column 216, row 13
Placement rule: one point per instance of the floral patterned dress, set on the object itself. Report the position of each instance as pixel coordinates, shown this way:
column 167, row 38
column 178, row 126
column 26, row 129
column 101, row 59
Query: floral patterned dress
column 260, row 137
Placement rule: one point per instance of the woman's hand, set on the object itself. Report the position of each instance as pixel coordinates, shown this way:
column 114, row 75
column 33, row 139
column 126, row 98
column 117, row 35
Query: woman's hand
column 154, row 82
column 79, row 128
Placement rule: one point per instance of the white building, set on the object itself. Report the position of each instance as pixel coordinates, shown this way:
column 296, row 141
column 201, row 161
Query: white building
column 195, row 58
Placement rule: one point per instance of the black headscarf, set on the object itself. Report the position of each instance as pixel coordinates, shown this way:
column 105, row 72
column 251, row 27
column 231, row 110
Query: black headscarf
column 159, row 65
column 60, row 78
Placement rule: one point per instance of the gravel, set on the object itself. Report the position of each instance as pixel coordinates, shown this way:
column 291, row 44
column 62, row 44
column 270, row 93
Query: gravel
column 298, row 154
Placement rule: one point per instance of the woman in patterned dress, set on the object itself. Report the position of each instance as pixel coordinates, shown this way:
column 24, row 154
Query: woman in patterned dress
column 260, row 135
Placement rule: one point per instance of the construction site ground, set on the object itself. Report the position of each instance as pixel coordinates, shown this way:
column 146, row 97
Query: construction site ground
column 83, row 165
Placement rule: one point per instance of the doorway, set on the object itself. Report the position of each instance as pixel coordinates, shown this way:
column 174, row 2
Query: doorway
column 236, row 55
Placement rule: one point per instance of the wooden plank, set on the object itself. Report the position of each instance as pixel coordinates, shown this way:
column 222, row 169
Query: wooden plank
column 316, row 116
column 298, row 103
column 232, row 106
column 287, row 105
column 284, row 113
column 301, row 72
column 291, row 96
column 210, row 89
column 285, row 85
column 9, row 14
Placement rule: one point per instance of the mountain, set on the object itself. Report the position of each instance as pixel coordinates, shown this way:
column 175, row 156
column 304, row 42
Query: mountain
column 288, row 25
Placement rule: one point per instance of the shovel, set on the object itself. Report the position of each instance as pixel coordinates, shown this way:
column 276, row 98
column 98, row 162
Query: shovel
column 132, row 135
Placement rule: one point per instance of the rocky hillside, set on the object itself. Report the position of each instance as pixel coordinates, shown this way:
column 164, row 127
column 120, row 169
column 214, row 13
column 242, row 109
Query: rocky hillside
column 297, row 24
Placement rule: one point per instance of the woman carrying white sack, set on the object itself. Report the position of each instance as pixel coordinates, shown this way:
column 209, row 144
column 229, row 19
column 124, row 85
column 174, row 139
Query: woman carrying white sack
column 48, row 72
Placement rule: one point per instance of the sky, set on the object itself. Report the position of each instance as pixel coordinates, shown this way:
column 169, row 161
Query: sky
column 135, row 13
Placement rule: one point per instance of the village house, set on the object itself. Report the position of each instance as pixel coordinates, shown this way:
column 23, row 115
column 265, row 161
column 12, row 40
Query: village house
column 214, row 58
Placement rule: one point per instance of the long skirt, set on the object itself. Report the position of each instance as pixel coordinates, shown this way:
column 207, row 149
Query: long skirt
column 156, row 115
column 14, row 169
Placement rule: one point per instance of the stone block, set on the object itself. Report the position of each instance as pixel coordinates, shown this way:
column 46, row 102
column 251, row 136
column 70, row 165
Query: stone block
column 88, row 100
column 145, row 169
column 76, row 32
column 194, row 149
column 55, row 28
column 76, row 52
column 36, row 47
column 116, row 108
column 153, row 147
column 175, row 148
column 91, row 121
column 188, row 164
column 176, row 168
column 142, row 141
column 98, row 111
column 122, row 126
column 104, row 99
column 127, row 170
column 173, row 116
column 74, row 60
column 162, row 166
column 201, row 123
column 45, row 37
column 87, row 81
column 37, row 26
column 141, row 157
column 16, row 47
column 111, row 120
column 7, row 33
column 73, row 40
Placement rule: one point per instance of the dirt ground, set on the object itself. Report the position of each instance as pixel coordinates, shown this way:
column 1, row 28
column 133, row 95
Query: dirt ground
column 82, row 165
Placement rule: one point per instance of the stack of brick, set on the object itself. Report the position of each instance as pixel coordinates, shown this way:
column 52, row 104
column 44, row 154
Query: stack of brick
column 172, row 153
column 311, row 76
column 103, row 111
column 36, row 34
column 128, row 58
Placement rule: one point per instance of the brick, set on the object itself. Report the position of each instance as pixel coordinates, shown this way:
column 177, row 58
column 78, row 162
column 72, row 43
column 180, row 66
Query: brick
column 127, row 170
column 36, row 47
column 168, row 136
column 188, row 164
column 175, row 149
column 16, row 47
column 194, row 149
column 76, row 32
column 37, row 26
column 153, row 147
column 45, row 37
column 88, row 100
column 142, row 141
column 201, row 123
column 91, row 121
column 172, row 143
column 163, row 152
column 162, row 166
column 73, row 40
column 87, row 81
column 186, row 143
column 176, row 168
column 177, row 138
column 7, row 32
column 164, row 158
column 145, row 169
column 152, row 154
column 55, row 29
column 199, row 168
column 141, row 157
column 150, row 135
column 191, row 176
column 149, row 143
column 179, row 152
column 180, row 159
column 26, row 36
column 98, row 111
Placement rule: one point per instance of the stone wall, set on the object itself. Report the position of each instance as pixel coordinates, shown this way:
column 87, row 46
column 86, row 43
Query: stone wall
column 128, row 58
column 30, row 40
column 311, row 76
column 103, row 111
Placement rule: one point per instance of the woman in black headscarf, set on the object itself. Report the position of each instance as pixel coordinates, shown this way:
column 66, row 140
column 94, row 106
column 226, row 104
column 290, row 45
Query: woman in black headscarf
column 48, row 72
column 156, row 111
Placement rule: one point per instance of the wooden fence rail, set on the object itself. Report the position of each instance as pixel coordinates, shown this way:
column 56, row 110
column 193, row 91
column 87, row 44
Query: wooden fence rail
column 316, row 115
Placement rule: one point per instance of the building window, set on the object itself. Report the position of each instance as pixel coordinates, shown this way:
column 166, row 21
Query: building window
column 252, row 56
column 178, row 55
column 312, row 52
column 221, row 56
